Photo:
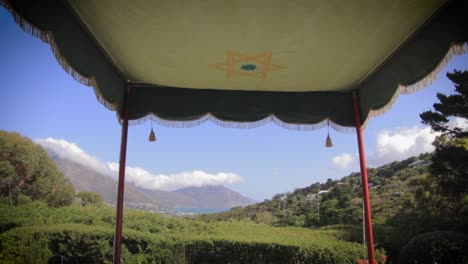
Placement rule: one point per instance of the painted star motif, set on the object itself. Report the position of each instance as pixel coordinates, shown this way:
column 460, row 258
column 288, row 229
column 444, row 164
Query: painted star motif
column 258, row 65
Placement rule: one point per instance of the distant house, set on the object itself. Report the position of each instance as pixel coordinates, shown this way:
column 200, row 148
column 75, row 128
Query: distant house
column 310, row 197
column 419, row 163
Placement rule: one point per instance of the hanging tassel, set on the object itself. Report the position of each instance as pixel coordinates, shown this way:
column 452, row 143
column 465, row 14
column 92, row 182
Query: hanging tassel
column 152, row 136
column 328, row 142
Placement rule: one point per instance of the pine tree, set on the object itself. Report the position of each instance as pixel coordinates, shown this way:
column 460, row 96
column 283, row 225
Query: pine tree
column 449, row 168
column 455, row 105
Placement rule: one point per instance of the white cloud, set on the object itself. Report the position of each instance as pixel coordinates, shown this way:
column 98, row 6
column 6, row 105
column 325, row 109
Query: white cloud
column 343, row 161
column 71, row 151
column 197, row 178
column 459, row 122
column 398, row 144
column 138, row 176
column 402, row 143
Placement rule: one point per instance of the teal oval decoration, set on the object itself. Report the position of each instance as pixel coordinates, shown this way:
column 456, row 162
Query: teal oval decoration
column 248, row 67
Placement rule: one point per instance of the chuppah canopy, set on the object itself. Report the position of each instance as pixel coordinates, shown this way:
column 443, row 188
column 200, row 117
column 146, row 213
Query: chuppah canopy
column 245, row 62
column 299, row 63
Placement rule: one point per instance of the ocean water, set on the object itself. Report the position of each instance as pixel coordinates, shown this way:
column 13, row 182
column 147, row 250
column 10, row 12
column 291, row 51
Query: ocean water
column 201, row 210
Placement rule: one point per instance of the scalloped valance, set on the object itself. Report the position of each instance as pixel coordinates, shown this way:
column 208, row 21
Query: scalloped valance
column 244, row 63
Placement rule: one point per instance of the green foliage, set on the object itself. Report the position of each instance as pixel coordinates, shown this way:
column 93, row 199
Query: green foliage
column 24, row 247
column 8, row 178
column 436, row 247
column 342, row 204
column 25, row 168
column 442, row 192
column 449, row 177
column 438, row 195
column 24, row 199
column 455, row 105
column 84, row 234
column 89, row 198
column 394, row 199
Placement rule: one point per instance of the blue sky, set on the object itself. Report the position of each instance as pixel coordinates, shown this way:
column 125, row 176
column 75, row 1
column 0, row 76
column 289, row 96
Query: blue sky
column 40, row 100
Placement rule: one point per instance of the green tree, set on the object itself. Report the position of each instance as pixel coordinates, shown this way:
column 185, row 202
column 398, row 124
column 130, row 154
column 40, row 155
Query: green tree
column 8, row 179
column 27, row 169
column 90, row 198
column 330, row 214
column 449, row 168
column 455, row 105
column 62, row 194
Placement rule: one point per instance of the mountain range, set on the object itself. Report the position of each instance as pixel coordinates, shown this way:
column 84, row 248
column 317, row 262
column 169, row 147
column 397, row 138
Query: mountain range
column 86, row 179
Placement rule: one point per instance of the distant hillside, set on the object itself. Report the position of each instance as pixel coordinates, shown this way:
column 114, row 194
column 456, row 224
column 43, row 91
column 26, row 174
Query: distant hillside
column 169, row 199
column 200, row 197
column 339, row 201
column 87, row 179
column 214, row 197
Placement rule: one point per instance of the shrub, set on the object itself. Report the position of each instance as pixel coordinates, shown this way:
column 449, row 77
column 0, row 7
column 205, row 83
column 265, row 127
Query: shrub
column 436, row 247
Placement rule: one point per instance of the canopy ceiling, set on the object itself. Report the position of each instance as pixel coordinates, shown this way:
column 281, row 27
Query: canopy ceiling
column 245, row 62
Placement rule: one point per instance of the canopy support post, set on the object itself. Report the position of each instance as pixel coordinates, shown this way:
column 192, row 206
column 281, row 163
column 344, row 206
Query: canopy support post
column 364, row 178
column 121, row 184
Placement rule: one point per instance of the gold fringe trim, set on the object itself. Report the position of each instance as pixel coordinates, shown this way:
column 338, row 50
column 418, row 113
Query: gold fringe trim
column 47, row 37
column 242, row 125
column 455, row 49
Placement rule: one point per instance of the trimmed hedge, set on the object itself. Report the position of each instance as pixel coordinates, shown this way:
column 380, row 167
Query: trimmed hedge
column 77, row 243
column 36, row 233
column 436, row 247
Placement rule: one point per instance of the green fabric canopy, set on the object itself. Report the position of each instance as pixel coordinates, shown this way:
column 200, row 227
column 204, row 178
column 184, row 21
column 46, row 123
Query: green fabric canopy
column 246, row 62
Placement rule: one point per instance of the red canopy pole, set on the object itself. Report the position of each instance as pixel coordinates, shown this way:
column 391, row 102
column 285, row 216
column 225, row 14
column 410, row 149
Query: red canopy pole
column 365, row 185
column 121, row 186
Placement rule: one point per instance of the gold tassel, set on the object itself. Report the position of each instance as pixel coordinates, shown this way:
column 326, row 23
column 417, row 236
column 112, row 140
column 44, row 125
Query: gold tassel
column 152, row 136
column 328, row 142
